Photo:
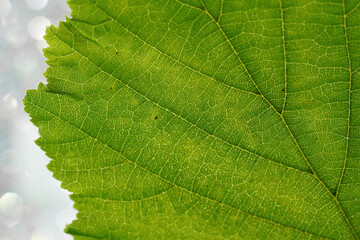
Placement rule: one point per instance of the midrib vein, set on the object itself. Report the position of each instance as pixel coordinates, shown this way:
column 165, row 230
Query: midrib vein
column 349, row 115
column 349, row 112
column 169, row 181
column 262, row 95
column 280, row 114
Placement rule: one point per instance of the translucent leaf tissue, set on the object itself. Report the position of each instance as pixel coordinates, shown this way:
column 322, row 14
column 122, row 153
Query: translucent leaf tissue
column 205, row 119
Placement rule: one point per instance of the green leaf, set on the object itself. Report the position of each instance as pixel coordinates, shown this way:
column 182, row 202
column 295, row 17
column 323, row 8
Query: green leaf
column 205, row 119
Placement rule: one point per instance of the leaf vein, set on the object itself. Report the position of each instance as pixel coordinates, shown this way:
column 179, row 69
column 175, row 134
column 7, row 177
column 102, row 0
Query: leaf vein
column 174, row 184
column 180, row 117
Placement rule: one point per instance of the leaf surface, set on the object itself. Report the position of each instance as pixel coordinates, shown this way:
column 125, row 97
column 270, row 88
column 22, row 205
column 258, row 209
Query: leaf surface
column 205, row 119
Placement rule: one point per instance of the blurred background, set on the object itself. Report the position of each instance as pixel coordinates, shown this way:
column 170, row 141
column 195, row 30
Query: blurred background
column 32, row 204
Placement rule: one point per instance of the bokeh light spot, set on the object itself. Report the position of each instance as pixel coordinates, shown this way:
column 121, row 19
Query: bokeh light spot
column 37, row 27
column 41, row 234
column 11, row 204
column 10, row 101
column 36, row 4
column 5, row 8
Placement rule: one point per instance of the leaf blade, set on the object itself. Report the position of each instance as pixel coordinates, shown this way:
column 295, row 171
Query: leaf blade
column 118, row 130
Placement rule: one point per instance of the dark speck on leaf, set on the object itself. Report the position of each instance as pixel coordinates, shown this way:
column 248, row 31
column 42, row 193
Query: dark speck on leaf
column 156, row 117
column 283, row 90
column 110, row 88
column 116, row 53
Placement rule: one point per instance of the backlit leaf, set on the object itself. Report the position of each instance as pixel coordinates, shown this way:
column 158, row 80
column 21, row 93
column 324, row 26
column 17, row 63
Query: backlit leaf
column 205, row 119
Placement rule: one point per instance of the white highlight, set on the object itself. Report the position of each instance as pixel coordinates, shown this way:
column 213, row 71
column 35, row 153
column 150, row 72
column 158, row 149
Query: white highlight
column 37, row 27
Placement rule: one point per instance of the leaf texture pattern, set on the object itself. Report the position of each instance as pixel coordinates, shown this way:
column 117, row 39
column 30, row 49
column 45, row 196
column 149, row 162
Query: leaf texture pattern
column 205, row 119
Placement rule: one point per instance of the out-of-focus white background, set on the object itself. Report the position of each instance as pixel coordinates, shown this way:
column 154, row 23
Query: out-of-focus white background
column 32, row 204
